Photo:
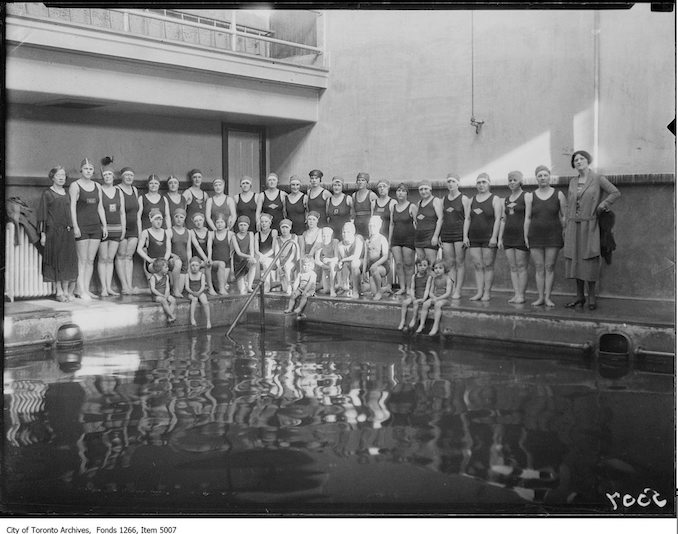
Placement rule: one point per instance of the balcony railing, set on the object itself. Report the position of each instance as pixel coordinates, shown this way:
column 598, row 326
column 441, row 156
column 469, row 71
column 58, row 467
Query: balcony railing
column 289, row 36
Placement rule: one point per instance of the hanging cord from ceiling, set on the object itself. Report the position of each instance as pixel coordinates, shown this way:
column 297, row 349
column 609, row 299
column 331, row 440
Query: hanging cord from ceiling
column 476, row 123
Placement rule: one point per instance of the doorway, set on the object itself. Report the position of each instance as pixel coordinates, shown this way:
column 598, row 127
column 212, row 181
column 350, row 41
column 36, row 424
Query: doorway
column 244, row 154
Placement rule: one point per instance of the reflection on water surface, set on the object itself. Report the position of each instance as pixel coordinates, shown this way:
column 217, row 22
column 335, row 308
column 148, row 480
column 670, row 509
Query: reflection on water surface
column 307, row 421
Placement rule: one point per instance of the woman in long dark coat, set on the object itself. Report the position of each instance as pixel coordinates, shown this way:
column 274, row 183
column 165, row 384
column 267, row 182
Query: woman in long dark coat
column 582, row 234
column 59, row 259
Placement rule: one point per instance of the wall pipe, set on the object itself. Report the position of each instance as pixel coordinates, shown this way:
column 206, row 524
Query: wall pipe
column 596, row 84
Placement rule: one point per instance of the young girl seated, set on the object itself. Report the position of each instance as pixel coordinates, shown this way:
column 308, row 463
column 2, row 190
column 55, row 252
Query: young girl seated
column 181, row 246
column 265, row 245
column 160, row 288
column 438, row 291
column 416, row 293
column 303, row 287
column 195, row 287
column 244, row 261
column 287, row 261
column 350, row 250
column 155, row 242
column 326, row 258
column 201, row 239
column 220, row 252
column 375, row 259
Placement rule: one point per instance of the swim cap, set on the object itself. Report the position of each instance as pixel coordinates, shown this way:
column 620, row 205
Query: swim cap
column 154, row 213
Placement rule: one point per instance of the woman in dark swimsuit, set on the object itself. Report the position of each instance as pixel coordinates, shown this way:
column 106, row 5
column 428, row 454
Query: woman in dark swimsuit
column 196, row 198
column 246, row 201
column 363, row 202
column 402, row 238
column 271, row 201
column 512, row 236
column 383, row 206
column 296, row 206
column 124, row 259
column 455, row 206
column 220, row 204
column 338, row 206
column 89, row 224
column 113, row 202
column 152, row 200
column 481, row 231
column 545, row 210
column 428, row 224
column 317, row 197
column 175, row 200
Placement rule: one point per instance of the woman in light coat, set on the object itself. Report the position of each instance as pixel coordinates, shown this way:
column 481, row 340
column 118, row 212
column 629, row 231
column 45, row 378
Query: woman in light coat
column 582, row 234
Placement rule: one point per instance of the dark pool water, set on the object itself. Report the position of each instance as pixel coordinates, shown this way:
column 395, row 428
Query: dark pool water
column 306, row 421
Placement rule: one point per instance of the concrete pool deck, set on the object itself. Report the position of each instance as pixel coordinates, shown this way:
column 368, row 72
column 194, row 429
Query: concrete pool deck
column 648, row 325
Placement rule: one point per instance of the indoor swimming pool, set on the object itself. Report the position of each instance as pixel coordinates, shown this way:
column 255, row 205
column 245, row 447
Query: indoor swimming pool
column 352, row 422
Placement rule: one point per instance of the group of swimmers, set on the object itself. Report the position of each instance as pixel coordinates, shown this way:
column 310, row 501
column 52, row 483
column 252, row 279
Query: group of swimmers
column 339, row 244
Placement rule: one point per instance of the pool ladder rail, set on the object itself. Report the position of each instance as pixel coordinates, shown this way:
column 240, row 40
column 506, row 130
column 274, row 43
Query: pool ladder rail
column 259, row 288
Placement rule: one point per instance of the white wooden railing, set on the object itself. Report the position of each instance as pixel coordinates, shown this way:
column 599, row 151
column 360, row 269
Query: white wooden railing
column 186, row 28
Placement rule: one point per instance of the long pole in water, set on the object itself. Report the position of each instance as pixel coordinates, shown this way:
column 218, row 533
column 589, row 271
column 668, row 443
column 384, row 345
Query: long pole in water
column 262, row 315
column 253, row 294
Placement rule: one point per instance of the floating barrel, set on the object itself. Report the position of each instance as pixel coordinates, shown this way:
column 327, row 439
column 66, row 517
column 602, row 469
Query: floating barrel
column 614, row 355
column 68, row 335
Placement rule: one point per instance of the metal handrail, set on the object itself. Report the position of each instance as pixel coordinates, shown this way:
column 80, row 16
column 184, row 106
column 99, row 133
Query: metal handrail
column 258, row 286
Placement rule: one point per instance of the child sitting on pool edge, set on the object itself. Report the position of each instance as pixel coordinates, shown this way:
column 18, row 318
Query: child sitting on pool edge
column 438, row 291
column 160, row 288
column 195, row 287
column 417, row 293
column 303, row 287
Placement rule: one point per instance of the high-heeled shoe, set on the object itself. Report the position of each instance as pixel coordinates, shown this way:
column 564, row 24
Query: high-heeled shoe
column 576, row 303
column 592, row 305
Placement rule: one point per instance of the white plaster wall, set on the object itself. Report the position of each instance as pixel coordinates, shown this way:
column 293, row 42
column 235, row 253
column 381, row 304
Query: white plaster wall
column 399, row 99
column 638, row 91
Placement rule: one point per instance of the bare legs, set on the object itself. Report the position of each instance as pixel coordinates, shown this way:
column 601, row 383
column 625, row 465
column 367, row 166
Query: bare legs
column 285, row 274
column 245, row 280
column 377, row 275
column 403, row 312
column 264, row 262
column 437, row 315
column 169, row 304
column 87, row 251
column 544, row 262
column 205, row 306
column 328, row 276
column 350, row 273
column 107, row 253
column 404, row 267
column 483, row 264
column 454, row 256
column 517, row 260
column 124, row 264
column 208, row 280
column 177, row 279
column 223, row 272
